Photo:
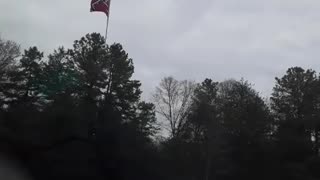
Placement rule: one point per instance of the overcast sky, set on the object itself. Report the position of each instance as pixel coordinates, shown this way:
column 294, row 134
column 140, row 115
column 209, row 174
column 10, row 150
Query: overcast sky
column 219, row 39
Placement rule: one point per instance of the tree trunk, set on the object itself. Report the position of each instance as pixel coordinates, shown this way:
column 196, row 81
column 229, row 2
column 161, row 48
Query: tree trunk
column 208, row 162
column 211, row 137
column 316, row 142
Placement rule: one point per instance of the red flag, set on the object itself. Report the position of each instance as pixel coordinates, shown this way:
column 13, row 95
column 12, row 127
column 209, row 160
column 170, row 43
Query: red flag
column 101, row 6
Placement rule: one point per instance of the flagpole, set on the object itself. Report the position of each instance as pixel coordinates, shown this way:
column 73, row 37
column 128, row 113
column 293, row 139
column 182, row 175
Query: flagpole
column 107, row 29
column 108, row 15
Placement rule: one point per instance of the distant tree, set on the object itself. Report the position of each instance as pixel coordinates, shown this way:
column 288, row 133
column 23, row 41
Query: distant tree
column 59, row 75
column 294, row 103
column 9, row 52
column 204, row 123
column 246, row 124
column 60, row 83
column 230, row 118
column 291, row 95
column 22, row 99
column 203, row 104
column 146, row 119
column 173, row 100
column 109, row 105
column 22, row 87
column 105, row 74
column 121, row 89
column 89, row 56
column 313, row 118
column 243, row 110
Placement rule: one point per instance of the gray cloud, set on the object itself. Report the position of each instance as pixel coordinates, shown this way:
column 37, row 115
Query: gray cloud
column 220, row 39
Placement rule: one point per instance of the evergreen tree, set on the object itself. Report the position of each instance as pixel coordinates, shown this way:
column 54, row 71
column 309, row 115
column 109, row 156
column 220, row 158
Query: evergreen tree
column 294, row 105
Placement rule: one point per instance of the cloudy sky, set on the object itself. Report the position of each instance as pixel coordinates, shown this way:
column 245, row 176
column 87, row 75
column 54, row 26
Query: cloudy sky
column 219, row 39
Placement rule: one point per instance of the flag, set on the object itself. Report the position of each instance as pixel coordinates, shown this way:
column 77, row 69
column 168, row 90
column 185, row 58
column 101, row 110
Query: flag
column 100, row 6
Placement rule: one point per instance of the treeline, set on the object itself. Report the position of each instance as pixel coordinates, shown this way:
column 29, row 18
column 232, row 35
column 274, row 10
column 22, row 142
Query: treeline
column 77, row 113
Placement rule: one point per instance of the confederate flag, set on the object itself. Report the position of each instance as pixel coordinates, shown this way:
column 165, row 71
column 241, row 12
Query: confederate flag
column 101, row 6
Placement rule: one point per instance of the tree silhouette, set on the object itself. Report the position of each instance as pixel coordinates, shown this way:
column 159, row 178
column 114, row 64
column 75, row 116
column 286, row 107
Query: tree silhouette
column 78, row 113
column 9, row 51
column 294, row 104
column 173, row 100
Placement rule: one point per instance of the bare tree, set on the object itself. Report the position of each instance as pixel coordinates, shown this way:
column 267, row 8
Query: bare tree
column 9, row 51
column 173, row 101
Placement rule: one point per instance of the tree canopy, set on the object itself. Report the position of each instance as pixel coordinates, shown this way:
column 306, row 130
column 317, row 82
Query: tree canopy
column 78, row 113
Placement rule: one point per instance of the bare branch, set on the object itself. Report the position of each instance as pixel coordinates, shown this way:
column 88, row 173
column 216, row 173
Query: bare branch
column 173, row 100
column 9, row 51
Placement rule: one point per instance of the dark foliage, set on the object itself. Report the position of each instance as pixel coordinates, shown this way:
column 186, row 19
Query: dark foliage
column 78, row 114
